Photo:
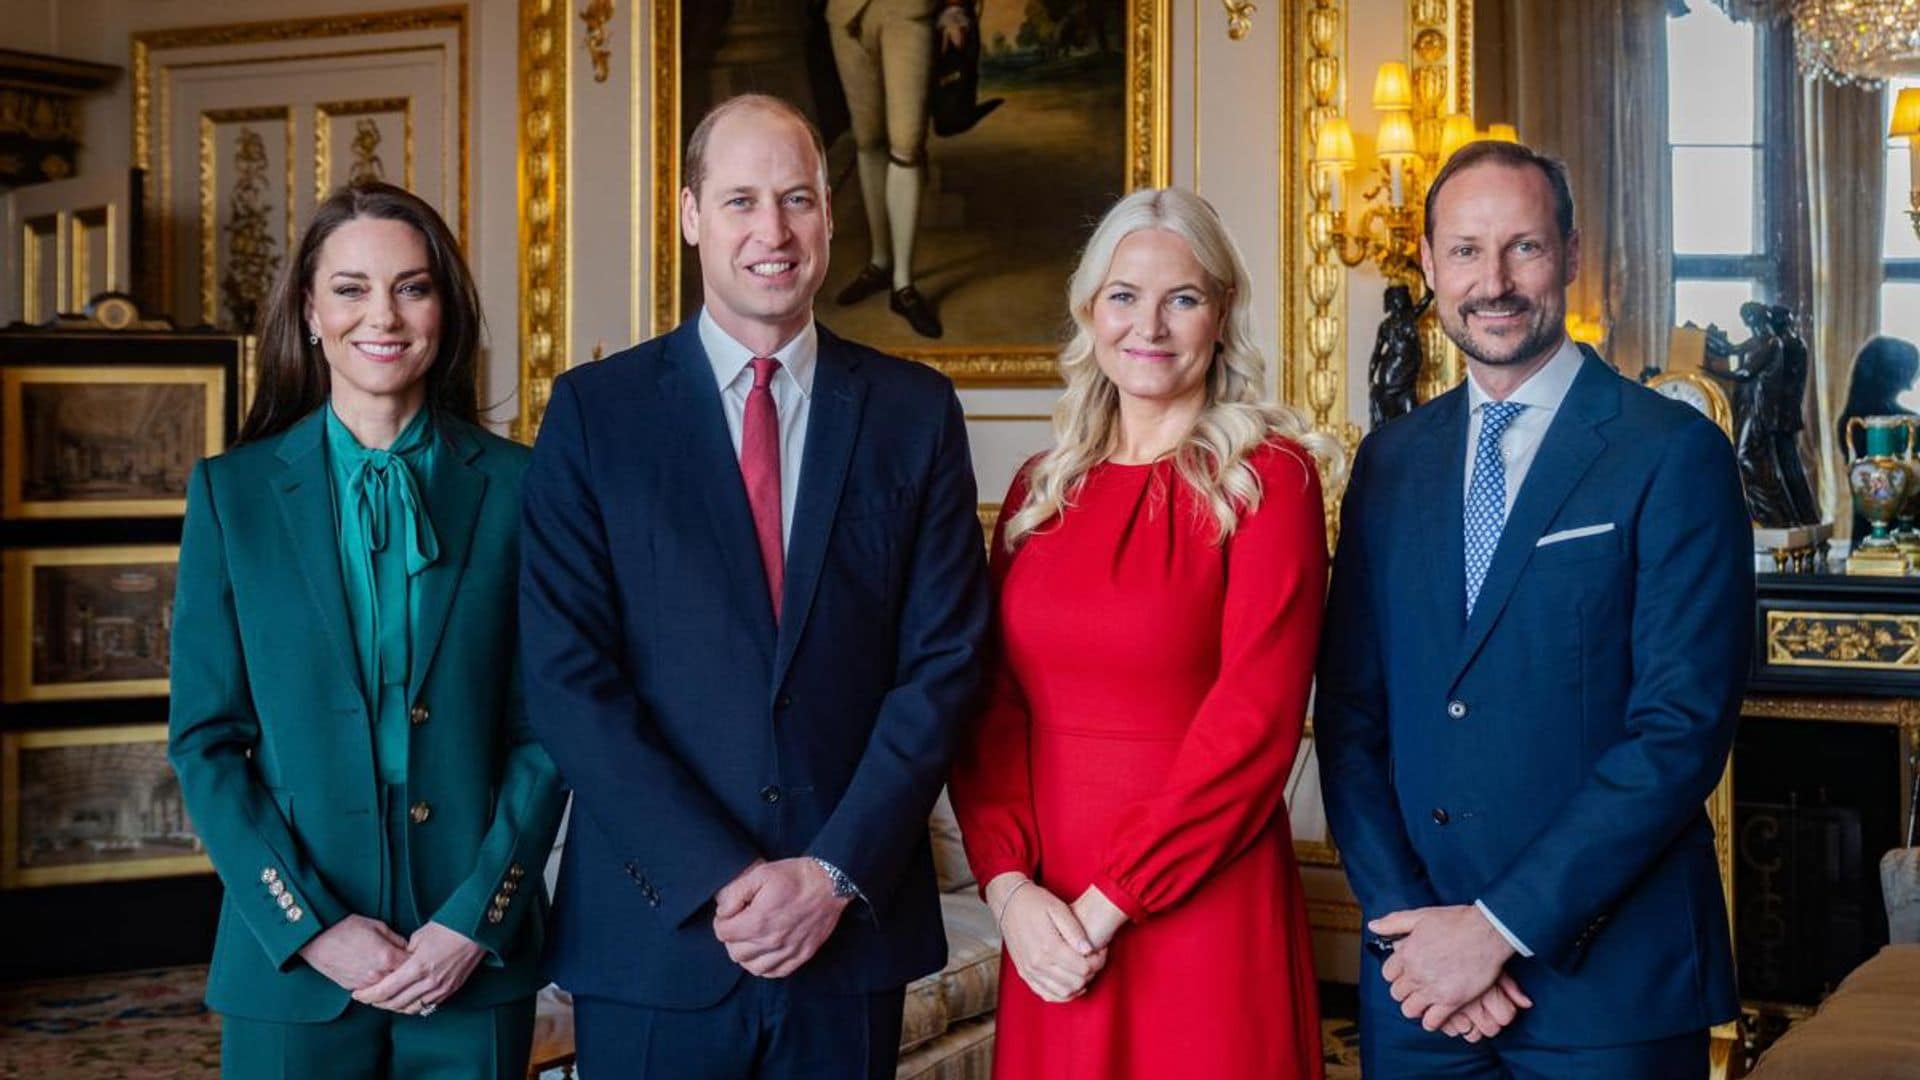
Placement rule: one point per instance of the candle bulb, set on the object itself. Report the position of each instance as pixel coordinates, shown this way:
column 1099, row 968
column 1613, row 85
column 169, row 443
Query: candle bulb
column 1398, row 195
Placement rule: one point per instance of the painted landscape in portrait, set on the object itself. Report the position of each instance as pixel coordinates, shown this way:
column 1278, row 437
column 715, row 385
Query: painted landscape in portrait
column 1005, row 205
column 93, row 805
column 91, row 442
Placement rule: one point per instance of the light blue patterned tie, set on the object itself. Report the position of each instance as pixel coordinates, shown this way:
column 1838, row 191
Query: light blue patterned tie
column 1486, row 513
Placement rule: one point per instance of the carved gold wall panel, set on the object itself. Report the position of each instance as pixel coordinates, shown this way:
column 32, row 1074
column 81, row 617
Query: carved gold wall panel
column 544, row 269
column 246, row 209
column 375, row 93
column 1440, row 51
column 1861, row 641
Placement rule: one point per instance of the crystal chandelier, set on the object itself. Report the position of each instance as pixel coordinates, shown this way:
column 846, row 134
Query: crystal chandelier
column 1844, row 41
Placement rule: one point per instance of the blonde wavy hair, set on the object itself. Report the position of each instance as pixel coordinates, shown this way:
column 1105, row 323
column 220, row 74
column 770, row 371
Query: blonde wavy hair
column 1237, row 420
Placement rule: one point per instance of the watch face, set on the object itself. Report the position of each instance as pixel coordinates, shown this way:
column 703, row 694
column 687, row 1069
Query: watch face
column 1684, row 391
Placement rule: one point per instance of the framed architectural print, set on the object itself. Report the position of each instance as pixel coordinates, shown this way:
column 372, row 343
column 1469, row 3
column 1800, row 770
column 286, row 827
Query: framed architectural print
column 984, row 188
column 106, row 441
column 92, row 804
column 87, row 623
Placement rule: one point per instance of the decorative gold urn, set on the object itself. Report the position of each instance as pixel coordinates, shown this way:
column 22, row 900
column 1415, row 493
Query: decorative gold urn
column 1881, row 484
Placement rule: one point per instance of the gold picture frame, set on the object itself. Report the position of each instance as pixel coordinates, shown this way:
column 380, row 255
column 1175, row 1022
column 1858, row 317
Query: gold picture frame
column 131, row 824
column 1147, row 162
column 131, row 477
column 127, row 644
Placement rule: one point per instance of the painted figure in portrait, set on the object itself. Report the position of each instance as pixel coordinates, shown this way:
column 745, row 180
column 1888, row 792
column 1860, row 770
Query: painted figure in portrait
column 971, row 144
column 110, row 441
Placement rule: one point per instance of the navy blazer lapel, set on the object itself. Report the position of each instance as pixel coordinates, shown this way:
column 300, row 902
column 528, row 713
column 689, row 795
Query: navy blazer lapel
column 833, row 422
column 306, row 506
column 1437, row 485
column 1570, row 447
column 453, row 493
column 710, row 464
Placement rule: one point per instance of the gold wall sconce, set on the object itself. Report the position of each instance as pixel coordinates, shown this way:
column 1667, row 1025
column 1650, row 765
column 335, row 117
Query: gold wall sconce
column 1906, row 124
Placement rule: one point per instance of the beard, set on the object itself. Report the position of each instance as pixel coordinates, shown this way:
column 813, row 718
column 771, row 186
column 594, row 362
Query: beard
column 1543, row 331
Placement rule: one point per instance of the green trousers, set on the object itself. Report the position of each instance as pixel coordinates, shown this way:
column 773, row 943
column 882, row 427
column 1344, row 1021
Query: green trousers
column 365, row 1043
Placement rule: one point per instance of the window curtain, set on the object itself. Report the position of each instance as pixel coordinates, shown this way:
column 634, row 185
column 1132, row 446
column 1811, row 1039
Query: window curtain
column 1845, row 155
column 1587, row 80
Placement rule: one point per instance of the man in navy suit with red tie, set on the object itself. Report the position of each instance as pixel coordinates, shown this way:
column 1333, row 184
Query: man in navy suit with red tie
column 1537, row 636
column 752, row 604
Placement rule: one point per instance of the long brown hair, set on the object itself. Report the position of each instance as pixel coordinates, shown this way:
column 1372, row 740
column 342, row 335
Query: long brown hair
column 294, row 377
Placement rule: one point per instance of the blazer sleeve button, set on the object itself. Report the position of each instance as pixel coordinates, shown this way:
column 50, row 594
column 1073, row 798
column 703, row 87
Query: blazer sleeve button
column 1440, row 816
column 770, row 794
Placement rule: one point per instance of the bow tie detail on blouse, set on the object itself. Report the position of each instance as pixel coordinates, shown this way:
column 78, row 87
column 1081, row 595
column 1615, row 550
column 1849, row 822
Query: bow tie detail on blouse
column 381, row 487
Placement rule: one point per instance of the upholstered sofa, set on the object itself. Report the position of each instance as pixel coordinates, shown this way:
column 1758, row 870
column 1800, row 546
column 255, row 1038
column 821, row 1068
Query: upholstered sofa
column 1865, row 1030
column 947, row 1030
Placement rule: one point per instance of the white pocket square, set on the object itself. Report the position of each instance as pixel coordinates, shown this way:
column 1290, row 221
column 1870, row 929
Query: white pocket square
column 1574, row 534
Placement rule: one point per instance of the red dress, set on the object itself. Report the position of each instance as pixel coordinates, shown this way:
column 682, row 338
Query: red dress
column 1148, row 697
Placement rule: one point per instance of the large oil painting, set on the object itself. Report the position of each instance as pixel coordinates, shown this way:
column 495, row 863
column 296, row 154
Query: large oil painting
column 971, row 145
column 92, row 442
column 92, row 804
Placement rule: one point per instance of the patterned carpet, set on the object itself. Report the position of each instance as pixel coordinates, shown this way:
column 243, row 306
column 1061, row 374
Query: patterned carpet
column 152, row 1025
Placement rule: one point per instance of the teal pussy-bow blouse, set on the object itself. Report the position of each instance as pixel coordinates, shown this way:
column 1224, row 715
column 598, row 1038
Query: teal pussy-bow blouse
column 386, row 538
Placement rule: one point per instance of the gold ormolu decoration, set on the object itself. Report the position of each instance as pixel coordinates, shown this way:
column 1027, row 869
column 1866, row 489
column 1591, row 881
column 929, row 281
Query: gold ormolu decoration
column 1239, row 18
column 366, row 163
column 149, row 84
column 543, row 207
column 251, row 258
column 1434, row 34
column 325, row 113
column 1149, row 67
column 596, row 15
column 211, row 282
column 1830, row 639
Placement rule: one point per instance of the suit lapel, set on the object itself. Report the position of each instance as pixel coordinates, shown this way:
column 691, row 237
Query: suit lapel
column 453, row 493
column 833, row 422
column 1437, row 482
column 306, row 507
column 711, row 465
column 1570, row 447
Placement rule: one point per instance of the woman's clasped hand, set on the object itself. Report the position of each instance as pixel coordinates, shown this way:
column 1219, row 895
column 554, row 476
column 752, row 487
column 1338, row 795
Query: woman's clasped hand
column 1051, row 950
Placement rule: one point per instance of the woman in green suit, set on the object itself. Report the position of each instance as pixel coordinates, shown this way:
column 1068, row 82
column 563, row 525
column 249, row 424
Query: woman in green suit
column 346, row 719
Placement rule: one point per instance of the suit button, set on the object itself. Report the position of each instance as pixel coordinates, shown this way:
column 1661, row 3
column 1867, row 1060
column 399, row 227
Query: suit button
column 1440, row 816
column 418, row 714
column 420, row 812
column 1457, row 710
column 769, row 794
column 494, row 915
column 515, row 872
column 784, row 701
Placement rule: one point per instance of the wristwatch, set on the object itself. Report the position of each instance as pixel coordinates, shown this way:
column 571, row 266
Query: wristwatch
column 843, row 886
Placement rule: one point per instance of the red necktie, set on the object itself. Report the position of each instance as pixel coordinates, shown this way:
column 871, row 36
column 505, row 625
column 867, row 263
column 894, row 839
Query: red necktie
column 760, row 468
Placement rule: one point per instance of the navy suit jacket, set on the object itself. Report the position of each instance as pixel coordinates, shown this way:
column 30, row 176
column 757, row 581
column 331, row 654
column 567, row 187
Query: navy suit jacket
column 699, row 736
column 1551, row 755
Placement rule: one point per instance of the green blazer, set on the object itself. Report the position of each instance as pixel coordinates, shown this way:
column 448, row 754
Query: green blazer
column 271, row 735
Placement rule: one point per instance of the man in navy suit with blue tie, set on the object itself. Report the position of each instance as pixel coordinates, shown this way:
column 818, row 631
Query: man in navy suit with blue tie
column 752, row 603
column 1536, row 641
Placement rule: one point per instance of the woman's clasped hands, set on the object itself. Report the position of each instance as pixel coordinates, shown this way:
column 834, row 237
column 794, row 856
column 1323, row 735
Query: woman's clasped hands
column 1050, row 945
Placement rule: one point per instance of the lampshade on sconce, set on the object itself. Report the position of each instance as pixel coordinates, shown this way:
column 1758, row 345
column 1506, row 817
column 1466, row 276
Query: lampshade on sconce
column 1456, row 132
column 1396, row 137
column 1333, row 148
column 1393, row 87
column 1504, row 133
column 1906, row 113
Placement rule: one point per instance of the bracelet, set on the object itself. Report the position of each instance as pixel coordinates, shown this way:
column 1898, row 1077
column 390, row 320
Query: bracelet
column 1008, row 902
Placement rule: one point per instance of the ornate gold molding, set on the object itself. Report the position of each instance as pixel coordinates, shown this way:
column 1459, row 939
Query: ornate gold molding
column 1864, row 641
column 1313, row 290
column 327, row 111
column 1894, row 712
column 251, row 235
column 597, row 14
column 153, row 81
column 544, row 287
column 1239, row 18
column 1441, row 52
column 1148, row 164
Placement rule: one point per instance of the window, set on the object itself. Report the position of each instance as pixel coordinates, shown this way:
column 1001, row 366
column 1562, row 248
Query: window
column 1715, row 138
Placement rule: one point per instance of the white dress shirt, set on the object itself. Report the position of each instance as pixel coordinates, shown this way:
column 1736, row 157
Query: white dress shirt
column 1542, row 394
column 792, row 390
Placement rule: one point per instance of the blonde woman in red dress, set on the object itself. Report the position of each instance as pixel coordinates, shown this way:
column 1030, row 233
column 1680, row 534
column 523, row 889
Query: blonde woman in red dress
column 1160, row 573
